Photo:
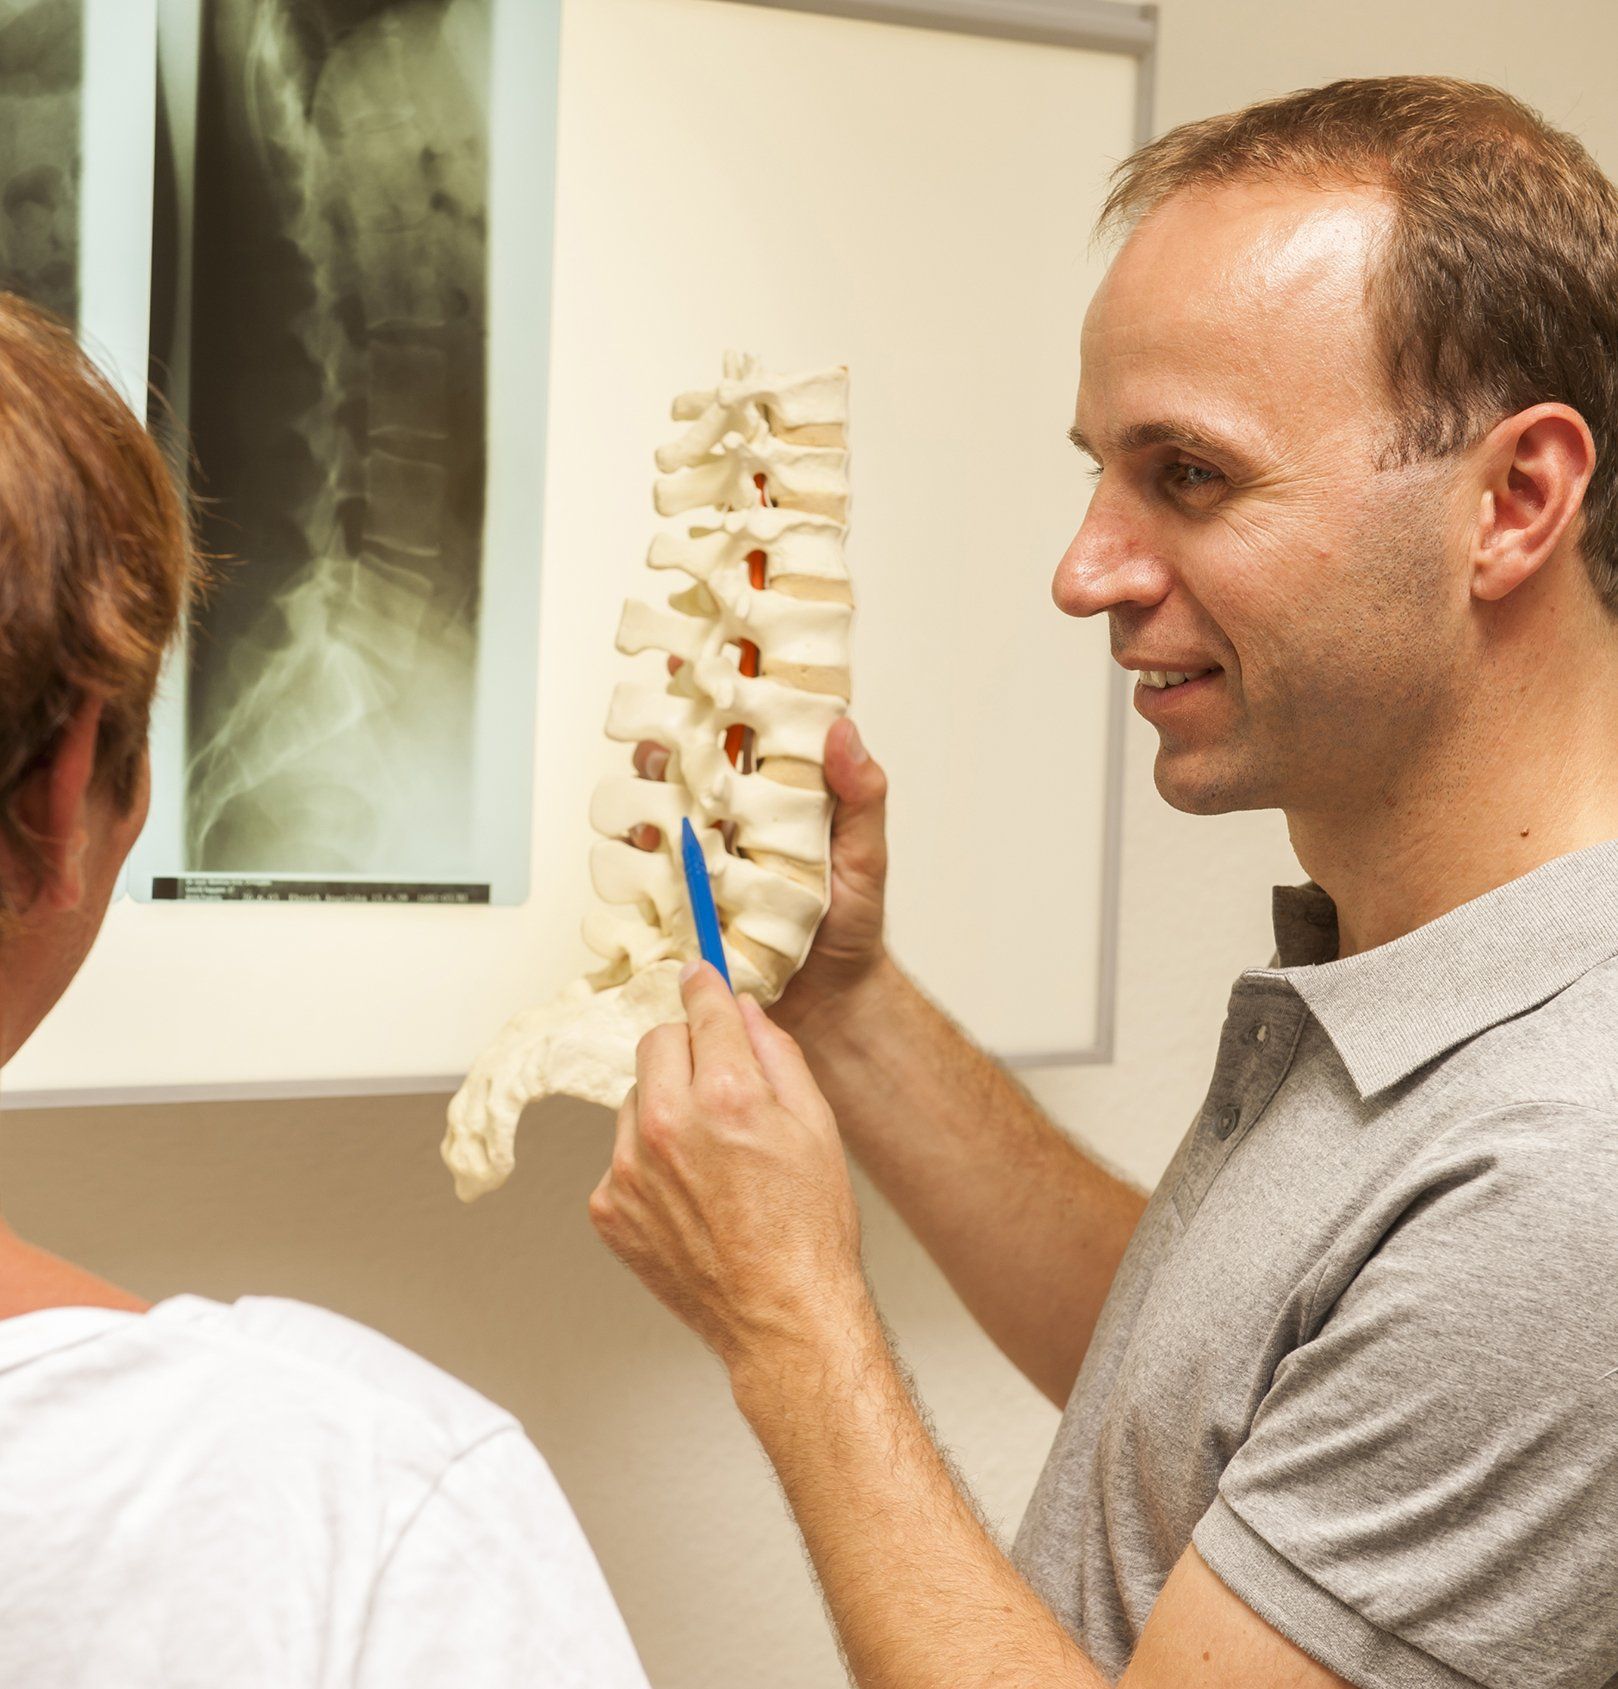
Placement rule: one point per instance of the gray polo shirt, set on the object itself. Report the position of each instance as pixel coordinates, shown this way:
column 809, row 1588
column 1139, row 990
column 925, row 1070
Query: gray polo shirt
column 1362, row 1350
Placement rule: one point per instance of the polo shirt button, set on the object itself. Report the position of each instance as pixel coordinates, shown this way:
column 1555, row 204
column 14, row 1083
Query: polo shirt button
column 1225, row 1121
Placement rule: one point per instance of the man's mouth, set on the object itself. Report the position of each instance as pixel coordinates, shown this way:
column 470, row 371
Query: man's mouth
column 1162, row 679
column 1161, row 693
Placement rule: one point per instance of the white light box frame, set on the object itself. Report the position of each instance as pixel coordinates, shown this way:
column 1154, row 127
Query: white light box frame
column 944, row 257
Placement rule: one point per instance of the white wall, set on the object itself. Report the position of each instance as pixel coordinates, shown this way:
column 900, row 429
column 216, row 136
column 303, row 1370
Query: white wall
column 345, row 1203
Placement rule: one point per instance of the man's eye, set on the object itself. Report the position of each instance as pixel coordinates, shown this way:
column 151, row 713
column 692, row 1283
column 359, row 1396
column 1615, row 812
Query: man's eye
column 1184, row 475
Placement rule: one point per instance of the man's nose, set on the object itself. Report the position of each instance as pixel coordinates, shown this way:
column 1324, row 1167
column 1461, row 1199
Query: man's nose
column 1107, row 563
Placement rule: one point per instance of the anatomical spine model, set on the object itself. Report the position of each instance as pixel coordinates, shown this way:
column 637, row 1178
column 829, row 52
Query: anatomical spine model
column 759, row 484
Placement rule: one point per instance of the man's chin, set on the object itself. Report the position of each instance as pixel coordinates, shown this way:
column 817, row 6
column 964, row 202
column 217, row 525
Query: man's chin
column 1193, row 787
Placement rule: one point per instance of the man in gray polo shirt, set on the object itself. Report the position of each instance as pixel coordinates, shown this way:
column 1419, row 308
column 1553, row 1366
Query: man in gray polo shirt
column 1342, row 1398
column 1362, row 1350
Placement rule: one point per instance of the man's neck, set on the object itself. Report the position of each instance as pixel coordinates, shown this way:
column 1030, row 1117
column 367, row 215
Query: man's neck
column 1475, row 818
column 32, row 1278
column 35, row 969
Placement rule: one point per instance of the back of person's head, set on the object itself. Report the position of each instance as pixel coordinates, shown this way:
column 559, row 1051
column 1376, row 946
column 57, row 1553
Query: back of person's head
column 1496, row 285
column 97, row 565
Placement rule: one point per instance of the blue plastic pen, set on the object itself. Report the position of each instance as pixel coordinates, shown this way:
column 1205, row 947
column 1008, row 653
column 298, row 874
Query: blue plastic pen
column 702, row 905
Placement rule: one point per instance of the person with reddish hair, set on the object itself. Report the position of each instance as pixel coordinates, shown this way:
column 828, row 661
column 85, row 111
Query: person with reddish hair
column 1340, row 1401
column 262, row 1492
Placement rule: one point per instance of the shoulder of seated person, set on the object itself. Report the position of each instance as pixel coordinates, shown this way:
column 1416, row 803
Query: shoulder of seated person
column 340, row 1361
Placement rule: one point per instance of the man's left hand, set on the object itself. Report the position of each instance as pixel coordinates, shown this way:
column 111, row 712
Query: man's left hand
column 729, row 1194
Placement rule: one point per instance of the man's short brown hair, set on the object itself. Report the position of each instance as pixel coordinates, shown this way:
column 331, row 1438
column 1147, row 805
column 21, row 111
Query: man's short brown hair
column 97, row 562
column 1496, row 287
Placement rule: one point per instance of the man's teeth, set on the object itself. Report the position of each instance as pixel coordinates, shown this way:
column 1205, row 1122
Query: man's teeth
column 1161, row 678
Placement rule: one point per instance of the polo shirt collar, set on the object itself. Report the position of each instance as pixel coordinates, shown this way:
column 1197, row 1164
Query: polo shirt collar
column 1391, row 1009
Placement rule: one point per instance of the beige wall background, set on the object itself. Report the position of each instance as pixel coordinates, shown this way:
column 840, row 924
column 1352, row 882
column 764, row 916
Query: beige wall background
column 344, row 1202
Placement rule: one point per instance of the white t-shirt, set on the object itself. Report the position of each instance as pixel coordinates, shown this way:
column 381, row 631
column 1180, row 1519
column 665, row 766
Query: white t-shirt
column 266, row 1495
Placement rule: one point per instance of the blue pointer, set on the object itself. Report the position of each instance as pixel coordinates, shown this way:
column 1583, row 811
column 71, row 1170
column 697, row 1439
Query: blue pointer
column 702, row 908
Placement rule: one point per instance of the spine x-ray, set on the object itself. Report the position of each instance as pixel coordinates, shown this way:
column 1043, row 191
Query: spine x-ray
column 76, row 172
column 328, row 360
column 41, row 71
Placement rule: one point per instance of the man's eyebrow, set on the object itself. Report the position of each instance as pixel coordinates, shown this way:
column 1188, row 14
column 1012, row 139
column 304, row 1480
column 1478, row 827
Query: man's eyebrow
column 1167, row 432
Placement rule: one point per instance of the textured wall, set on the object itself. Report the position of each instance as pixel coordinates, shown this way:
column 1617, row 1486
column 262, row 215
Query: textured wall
column 345, row 1203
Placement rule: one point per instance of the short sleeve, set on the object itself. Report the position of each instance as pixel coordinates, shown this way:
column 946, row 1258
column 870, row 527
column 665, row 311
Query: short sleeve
column 1428, row 1496
column 492, row 1585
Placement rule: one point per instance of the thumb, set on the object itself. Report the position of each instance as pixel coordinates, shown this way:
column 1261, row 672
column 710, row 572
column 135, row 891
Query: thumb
column 859, row 839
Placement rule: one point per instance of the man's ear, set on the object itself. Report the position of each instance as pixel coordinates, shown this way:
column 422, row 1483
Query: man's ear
column 1536, row 466
column 53, row 805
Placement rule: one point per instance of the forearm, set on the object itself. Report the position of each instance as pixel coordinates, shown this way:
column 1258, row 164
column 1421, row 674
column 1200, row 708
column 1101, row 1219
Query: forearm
column 1027, row 1228
column 920, row 1595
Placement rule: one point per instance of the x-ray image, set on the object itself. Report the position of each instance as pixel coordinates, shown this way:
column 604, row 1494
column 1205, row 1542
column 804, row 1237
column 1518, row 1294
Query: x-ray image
column 346, row 192
column 336, row 412
column 41, row 71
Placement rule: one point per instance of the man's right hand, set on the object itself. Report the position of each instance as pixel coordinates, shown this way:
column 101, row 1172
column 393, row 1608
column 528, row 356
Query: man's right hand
column 848, row 948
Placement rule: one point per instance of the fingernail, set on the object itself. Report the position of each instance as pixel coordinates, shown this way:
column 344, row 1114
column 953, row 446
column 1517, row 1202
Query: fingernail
column 689, row 972
column 657, row 764
column 856, row 745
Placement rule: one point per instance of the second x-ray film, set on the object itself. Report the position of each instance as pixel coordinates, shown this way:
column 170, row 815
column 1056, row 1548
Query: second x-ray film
column 356, row 352
column 76, row 171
